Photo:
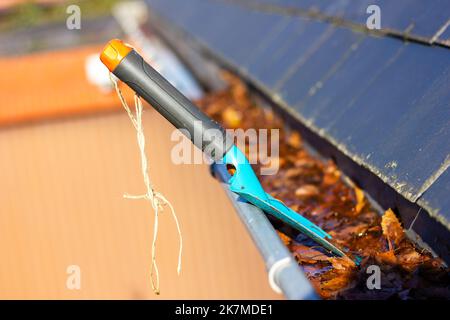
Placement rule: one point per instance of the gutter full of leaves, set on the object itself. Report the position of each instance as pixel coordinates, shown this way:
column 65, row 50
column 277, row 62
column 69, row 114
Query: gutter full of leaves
column 318, row 189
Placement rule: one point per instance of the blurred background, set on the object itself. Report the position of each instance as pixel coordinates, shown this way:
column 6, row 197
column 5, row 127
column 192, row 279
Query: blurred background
column 68, row 153
column 348, row 90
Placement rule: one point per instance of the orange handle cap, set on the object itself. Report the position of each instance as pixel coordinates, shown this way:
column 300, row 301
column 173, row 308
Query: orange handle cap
column 113, row 53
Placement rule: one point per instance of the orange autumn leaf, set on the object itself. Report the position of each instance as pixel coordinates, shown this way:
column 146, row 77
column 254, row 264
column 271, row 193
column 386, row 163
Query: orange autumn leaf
column 411, row 260
column 387, row 257
column 286, row 240
column 340, row 280
column 232, row 118
column 392, row 229
column 342, row 263
column 307, row 191
column 331, row 174
column 308, row 255
column 337, row 283
column 360, row 200
column 295, row 140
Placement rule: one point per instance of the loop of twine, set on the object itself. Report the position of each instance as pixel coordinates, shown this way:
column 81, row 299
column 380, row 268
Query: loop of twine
column 156, row 199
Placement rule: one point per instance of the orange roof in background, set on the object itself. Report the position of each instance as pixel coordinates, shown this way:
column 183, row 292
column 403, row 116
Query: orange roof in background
column 10, row 3
column 49, row 85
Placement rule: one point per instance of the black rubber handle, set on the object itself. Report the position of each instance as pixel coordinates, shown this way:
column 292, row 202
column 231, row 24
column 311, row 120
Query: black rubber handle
column 204, row 132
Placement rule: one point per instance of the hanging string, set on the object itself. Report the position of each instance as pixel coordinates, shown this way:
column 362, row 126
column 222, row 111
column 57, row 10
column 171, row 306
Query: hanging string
column 156, row 199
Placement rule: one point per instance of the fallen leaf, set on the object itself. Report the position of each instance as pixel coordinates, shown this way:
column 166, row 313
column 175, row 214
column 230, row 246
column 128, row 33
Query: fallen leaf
column 387, row 257
column 331, row 175
column 292, row 173
column 307, row 191
column 342, row 263
column 351, row 231
column 392, row 229
column 411, row 259
column 360, row 200
column 339, row 282
column 308, row 255
column 286, row 240
column 295, row 140
column 232, row 118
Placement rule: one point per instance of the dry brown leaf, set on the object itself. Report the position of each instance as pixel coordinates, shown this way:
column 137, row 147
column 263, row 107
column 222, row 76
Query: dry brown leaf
column 392, row 229
column 295, row 140
column 307, row 255
column 292, row 173
column 331, row 175
column 411, row 259
column 307, row 191
column 352, row 230
column 342, row 263
column 387, row 257
column 286, row 240
column 232, row 118
column 360, row 200
column 337, row 283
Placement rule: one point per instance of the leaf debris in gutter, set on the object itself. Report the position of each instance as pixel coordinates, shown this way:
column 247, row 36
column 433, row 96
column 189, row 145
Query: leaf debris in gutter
column 316, row 189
